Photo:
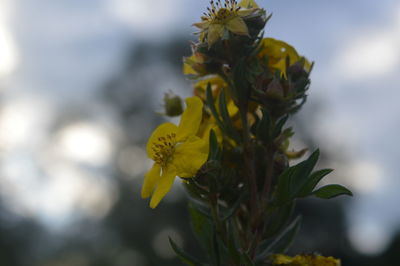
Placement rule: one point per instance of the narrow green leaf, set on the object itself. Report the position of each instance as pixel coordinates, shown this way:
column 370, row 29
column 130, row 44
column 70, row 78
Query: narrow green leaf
column 210, row 104
column 232, row 238
column 278, row 219
column 264, row 127
column 216, row 252
column 312, row 181
column 241, row 86
column 193, row 191
column 226, row 119
column 283, row 193
column 331, row 191
column 231, row 211
column 214, row 148
column 202, row 227
column 302, row 172
column 281, row 243
column 186, row 258
column 279, row 126
column 246, row 260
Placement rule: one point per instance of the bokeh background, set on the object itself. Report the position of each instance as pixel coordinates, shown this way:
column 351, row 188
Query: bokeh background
column 81, row 83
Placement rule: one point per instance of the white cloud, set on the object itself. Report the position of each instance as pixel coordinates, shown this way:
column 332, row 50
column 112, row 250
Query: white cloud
column 8, row 51
column 148, row 18
column 370, row 53
column 368, row 237
column 370, row 56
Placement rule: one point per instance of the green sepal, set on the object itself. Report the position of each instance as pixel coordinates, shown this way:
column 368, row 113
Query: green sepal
column 281, row 243
column 331, row 191
column 183, row 256
column 279, row 126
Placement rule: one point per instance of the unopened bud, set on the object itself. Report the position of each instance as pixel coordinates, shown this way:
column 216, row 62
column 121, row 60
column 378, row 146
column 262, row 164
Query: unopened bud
column 275, row 89
column 173, row 104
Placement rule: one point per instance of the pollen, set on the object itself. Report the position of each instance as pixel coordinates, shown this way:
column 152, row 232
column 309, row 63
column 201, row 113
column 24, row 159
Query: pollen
column 219, row 11
column 164, row 148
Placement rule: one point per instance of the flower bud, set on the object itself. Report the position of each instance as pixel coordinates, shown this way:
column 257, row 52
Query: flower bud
column 173, row 104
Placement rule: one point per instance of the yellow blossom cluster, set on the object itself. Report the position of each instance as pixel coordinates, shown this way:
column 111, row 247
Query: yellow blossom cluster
column 305, row 260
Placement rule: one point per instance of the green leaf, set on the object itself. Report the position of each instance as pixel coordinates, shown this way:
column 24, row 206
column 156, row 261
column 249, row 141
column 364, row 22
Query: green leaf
column 282, row 242
column 232, row 240
column 214, row 147
column 192, row 191
column 186, row 258
column 283, row 193
column 264, row 126
column 312, row 181
column 231, row 211
column 278, row 218
column 279, row 126
column 226, row 119
column 331, row 191
column 241, row 86
column 210, row 104
column 215, row 246
column 301, row 174
column 246, row 260
column 202, row 227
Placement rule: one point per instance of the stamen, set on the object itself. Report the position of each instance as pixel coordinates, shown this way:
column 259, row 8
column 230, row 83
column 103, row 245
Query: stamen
column 164, row 148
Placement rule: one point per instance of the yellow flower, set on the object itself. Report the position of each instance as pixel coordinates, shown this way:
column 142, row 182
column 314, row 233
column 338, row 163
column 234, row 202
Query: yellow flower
column 305, row 260
column 221, row 18
column 277, row 52
column 176, row 151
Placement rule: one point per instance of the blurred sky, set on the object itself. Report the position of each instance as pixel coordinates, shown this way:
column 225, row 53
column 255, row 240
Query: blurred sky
column 56, row 55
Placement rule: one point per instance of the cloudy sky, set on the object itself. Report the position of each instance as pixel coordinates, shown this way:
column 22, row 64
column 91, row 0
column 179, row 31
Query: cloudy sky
column 56, row 54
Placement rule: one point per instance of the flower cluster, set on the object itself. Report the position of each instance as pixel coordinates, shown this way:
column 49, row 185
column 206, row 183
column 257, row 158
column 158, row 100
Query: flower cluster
column 232, row 148
column 305, row 260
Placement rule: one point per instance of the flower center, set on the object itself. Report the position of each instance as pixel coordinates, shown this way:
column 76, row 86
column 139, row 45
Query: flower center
column 164, row 148
column 218, row 12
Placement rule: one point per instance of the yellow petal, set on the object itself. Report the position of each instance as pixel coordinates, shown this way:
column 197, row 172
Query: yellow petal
column 150, row 180
column 232, row 108
column 237, row 26
column 248, row 4
column 215, row 32
column 246, row 12
column 215, row 82
column 191, row 118
column 190, row 156
column 163, row 186
column 277, row 52
column 161, row 131
column 188, row 69
column 202, row 25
